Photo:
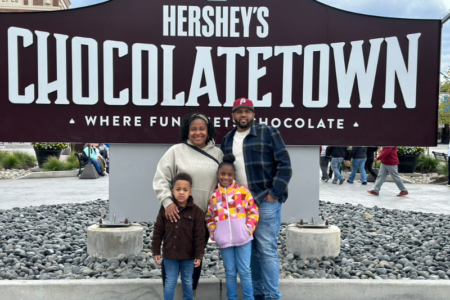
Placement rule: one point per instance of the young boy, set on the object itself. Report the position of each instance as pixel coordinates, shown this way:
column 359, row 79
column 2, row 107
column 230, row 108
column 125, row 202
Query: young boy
column 184, row 240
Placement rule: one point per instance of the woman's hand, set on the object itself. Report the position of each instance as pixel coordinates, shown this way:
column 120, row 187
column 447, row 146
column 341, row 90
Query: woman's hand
column 172, row 213
column 197, row 263
column 157, row 259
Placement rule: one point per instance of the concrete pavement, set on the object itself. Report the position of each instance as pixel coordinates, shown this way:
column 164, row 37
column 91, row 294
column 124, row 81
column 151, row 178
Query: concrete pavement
column 35, row 192
column 423, row 197
column 427, row 198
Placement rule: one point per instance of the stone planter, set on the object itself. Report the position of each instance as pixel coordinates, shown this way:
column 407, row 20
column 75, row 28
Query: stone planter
column 43, row 155
column 407, row 163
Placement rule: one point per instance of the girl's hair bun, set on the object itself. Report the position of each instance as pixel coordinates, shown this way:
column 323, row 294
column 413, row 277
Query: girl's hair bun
column 229, row 158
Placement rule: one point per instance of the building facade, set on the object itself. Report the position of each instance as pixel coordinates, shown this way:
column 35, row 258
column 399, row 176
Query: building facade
column 7, row 6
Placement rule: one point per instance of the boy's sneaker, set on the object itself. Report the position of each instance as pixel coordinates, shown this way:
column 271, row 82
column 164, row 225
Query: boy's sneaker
column 341, row 181
column 403, row 194
column 349, row 181
column 372, row 192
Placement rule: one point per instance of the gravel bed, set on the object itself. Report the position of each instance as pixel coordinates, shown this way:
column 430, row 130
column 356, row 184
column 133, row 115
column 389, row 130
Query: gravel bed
column 12, row 173
column 49, row 242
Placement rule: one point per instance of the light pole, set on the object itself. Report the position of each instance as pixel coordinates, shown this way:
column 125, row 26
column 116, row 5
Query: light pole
column 446, row 18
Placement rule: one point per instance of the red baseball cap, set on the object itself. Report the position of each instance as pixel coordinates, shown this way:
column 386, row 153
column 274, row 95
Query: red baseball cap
column 243, row 102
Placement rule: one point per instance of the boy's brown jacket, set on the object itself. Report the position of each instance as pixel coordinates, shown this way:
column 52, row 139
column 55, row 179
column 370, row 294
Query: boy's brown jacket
column 184, row 239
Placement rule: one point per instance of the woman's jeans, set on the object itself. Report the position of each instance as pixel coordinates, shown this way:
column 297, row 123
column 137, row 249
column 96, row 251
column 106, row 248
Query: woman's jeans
column 236, row 260
column 186, row 268
column 358, row 163
column 96, row 164
column 336, row 163
column 265, row 265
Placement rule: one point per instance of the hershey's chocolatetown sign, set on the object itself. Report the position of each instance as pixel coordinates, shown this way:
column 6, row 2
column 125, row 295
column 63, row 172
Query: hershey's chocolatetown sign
column 124, row 73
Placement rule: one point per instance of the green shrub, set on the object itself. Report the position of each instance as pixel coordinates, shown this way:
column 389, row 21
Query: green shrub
column 26, row 160
column 72, row 161
column 427, row 163
column 443, row 169
column 54, row 164
column 3, row 155
column 11, row 162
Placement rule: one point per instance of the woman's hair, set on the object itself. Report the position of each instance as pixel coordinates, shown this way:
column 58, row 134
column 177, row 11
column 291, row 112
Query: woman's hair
column 228, row 160
column 183, row 176
column 187, row 120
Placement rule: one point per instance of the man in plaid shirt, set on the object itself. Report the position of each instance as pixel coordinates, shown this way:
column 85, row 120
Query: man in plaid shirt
column 263, row 165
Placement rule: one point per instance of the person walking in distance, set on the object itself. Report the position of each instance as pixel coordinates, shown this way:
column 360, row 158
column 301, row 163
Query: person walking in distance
column 369, row 162
column 337, row 157
column 359, row 156
column 324, row 161
column 389, row 165
column 264, row 166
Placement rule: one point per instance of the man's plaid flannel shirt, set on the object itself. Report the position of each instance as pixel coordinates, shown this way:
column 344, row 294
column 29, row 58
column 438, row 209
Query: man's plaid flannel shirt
column 267, row 162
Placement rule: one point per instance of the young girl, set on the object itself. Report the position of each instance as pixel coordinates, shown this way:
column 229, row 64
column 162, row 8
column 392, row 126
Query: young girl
column 184, row 240
column 231, row 218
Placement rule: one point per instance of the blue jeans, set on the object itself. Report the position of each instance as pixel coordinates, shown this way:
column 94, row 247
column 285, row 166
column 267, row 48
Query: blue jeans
column 186, row 268
column 96, row 164
column 336, row 163
column 264, row 264
column 361, row 164
column 237, row 260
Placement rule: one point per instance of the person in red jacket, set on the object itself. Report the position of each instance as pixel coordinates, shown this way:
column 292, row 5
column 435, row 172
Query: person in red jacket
column 389, row 165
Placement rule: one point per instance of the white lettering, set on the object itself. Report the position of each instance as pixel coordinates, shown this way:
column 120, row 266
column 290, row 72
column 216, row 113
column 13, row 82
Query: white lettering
column 90, row 120
column 168, row 79
column 356, row 68
column 298, row 125
column 169, row 20
column 108, row 73
column 395, row 64
column 77, row 81
column 230, row 53
column 263, row 30
column 152, row 51
column 324, row 51
column 203, row 65
column 60, row 85
column 13, row 66
column 288, row 63
column 254, row 74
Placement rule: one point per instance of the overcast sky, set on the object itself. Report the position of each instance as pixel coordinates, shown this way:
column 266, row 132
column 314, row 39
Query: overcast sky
column 425, row 9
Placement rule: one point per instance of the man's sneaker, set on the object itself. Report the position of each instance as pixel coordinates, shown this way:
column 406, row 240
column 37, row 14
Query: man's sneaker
column 259, row 297
column 364, row 183
column 341, row 181
column 372, row 192
column 326, row 180
column 349, row 181
column 334, row 182
column 448, row 184
column 402, row 194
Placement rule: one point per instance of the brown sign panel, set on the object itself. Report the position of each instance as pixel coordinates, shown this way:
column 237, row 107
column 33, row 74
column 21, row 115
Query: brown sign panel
column 127, row 73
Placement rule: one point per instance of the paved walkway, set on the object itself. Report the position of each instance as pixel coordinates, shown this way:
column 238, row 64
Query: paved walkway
column 428, row 198
column 26, row 192
column 35, row 192
column 422, row 197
